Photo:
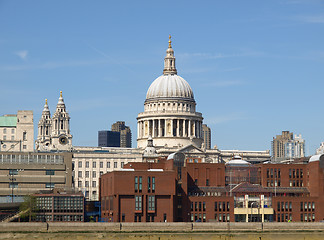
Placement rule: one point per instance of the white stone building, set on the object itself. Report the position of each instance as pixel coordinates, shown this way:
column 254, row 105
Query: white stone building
column 54, row 132
column 169, row 116
column 17, row 132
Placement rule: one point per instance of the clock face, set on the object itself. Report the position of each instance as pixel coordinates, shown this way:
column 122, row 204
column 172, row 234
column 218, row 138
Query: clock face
column 63, row 140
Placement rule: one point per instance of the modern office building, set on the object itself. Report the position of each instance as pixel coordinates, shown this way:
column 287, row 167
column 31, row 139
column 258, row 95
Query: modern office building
column 206, row 136
column 17, row 132
column 287, row 146
column 25, row 173
column 236, row 191
column 59, row 205
column 108, row 139
column 119, row 136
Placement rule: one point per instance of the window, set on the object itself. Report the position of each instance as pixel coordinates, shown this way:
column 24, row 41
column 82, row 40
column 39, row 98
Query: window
column 13, row 185
column 94, row 164
column 123, row 217
column 138, row 203
column 101, row 164
column 136, row 184
column 49, row 185
column 4, row 131
column 94, row 184
column 122, row 164
column 290, row 173
column 13, row 172
column 94, row 174
column 80, row 164
column 101, row 172
column 207, row 182
column 149, row 184
column 196, row 206
column 4, row 137
column 191, row 206
column 86, row 183
column 108, row 164
column 153, row 184
column 115, row 164
column 13, row 131
column 50, row 172
column 140, row 184
column 204, row 206
column 151, row 203
column 87, row 174
column 79, row 183
column 12, row 137
column 199, row 206
column 87, row 164
column 24, row 146
column 79, row 173
column 215, row 206
column 24, row 136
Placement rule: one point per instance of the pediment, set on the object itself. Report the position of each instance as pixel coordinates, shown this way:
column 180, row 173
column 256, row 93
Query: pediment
column 191, row 149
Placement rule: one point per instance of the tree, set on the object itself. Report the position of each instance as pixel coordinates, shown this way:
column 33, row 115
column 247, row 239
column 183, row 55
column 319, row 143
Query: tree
column 29, row 207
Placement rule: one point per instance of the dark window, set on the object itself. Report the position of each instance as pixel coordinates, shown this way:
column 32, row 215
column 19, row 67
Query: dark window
column 279, row 175
column 153, row 184
column 228, row 206
column 136, row 184
column 138, row 203
column 301, row 206
column 123, row 217
column 199, row 206
column 289, row 173
column 215, row 206
column 204, row 206
column 50, row 172
column 149, row 184
column 13, row 172
column 207, row 182
column 151, row 203
column 140, row 184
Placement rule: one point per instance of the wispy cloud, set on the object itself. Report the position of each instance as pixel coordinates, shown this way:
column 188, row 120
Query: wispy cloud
column 218, row 55
column 50, row 65
column 110, row 58
column 310, row 19
column 224, row 83
column 22, row 54
column 226, row 118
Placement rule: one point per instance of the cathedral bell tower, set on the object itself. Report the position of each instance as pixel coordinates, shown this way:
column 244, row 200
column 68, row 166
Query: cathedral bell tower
column 44, row 129
column 61, row 137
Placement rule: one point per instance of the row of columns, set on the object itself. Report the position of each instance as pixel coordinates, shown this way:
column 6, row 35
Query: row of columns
column 169, row 128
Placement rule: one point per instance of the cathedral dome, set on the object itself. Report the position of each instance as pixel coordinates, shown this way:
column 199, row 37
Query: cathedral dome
column 170, row 86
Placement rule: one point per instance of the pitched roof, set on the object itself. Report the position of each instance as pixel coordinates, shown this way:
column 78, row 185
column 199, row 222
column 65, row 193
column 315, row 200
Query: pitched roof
column 249, row 188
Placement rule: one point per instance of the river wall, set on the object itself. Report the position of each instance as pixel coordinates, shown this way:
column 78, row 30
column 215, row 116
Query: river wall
column 162, row 227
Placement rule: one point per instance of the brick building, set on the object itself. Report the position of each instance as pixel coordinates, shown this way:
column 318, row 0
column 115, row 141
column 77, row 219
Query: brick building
column 236, row 191
column 142, row 192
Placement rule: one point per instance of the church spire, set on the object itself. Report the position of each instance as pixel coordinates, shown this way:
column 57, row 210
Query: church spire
column 169, row 61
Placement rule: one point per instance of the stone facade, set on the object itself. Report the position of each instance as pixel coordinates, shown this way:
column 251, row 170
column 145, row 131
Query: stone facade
column 169, row 116
column 54, row 132
column 17, row 132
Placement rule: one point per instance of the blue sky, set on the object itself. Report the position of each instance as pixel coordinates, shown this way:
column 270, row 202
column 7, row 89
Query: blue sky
column 256, row 67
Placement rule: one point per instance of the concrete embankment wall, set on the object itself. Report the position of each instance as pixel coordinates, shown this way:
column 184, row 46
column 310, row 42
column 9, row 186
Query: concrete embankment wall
column 159, row 227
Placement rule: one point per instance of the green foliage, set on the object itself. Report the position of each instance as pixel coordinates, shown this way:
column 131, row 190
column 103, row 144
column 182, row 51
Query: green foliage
column 29, row 207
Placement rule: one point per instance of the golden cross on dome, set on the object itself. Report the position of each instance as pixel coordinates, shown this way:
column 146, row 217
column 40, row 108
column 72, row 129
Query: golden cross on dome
column 60, row 93
column 46, row 101
column 170, row 41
